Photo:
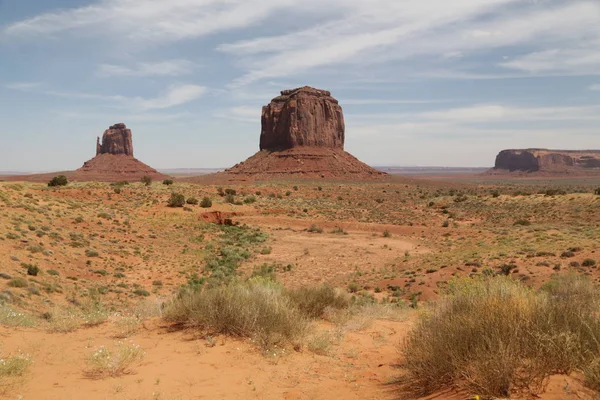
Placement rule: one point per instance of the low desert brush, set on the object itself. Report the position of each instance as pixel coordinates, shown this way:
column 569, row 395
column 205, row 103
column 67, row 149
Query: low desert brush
column 257, row 309
column 313, row 301
column 494, row 336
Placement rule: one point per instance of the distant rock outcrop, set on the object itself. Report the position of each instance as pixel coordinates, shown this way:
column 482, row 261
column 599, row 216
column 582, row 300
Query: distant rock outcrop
column 302, row 117
column 544, row 161
column 302, row 135
column 116, row 140
column 114, row 159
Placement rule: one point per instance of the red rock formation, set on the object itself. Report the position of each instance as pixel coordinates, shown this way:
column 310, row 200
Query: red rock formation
column 302, row 117
column 116, row 140
column 303, row 135
column 548, row 161
column 114, row 159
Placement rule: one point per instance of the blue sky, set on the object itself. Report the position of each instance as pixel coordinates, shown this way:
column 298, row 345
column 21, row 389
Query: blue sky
column 422, row 82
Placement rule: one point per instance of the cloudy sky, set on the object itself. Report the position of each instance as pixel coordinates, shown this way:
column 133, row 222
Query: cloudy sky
column 422, row 82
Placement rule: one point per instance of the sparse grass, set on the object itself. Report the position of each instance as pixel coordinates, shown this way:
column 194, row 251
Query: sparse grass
column 64, row 320
column 127, row 326
column 315, row 229
column 494, row 336
column 14, row 318
column 113, row 361
column 11, row 366
column 320, row 343
column 18, row 283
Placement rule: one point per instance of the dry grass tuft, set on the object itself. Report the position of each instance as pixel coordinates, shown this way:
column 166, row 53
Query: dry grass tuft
column 495, row 336
column 255, row 309
column 113, row 362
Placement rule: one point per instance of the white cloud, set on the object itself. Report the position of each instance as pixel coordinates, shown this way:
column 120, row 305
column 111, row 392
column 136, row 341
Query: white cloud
column 595, row 87
column 163, row 68
column 174, row 96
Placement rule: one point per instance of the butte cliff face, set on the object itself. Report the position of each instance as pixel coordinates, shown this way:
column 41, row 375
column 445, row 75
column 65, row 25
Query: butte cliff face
column 544, row 161
column 302, row 117
column 116, row 140
column 302, row 135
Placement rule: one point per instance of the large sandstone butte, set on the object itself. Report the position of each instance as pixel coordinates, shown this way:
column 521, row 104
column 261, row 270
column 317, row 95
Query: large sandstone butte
column 114, row 159
column 548, row 162
column 302, row 135
column 116, row 140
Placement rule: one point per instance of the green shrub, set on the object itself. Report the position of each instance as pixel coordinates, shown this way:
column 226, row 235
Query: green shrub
column 52, row 272
column 91, row 253
column 168, row 182
column 250, row 200
column 192, row 200
column 387, row 234
column 495, row 336
column 176, row 200
column 206, row 202
column 597, row 191
column 59, row 180
column 146, row 180
column 588, row 262
column 33, row 270
column 265, row 272
column 258, row 310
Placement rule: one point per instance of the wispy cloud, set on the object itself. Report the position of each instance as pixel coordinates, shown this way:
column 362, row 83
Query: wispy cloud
column 162, row 68
column 595, row 87
column 175, row 95
column 154, row 21
column 22, row 85
column 384, row 31
column 241, row 113
column 584, row 61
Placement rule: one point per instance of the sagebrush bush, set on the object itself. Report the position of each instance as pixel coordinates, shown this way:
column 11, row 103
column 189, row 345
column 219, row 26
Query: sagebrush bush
column 256, row 309
column 176, row 200
column 59, row 180
column 313, row 301
column 206, row 202
column 493, row 336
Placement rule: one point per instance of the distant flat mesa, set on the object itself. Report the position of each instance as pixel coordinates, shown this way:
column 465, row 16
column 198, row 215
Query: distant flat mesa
column 547, row 162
